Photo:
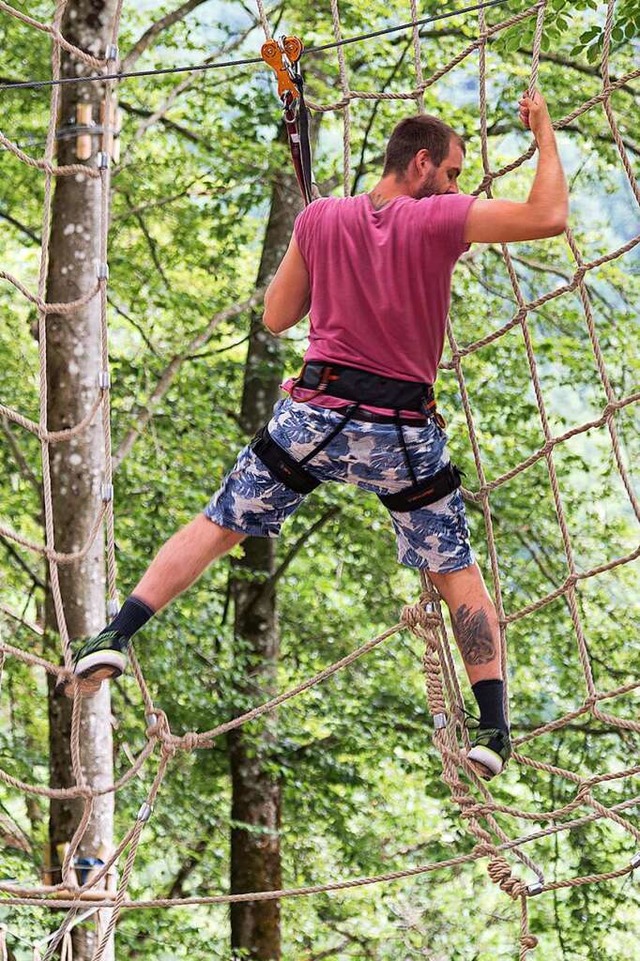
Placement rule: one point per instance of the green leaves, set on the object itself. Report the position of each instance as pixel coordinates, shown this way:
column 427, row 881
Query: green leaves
column 362, row 780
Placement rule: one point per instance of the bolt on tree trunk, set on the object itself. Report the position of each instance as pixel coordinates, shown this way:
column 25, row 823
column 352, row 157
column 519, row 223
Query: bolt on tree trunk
column 73, row 366
column 256, row 791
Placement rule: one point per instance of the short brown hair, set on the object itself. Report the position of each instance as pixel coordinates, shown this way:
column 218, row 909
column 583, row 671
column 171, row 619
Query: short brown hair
column 412, row 134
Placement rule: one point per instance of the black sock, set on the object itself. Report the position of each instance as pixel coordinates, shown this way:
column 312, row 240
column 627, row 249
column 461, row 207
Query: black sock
column 133, row 615
column 489, row 695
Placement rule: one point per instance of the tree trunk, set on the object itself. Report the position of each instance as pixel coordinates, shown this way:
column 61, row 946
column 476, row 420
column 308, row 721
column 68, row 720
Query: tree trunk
column 73, row 367
column 256, row 792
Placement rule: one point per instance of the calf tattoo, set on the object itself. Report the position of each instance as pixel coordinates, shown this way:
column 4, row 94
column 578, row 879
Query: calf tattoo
column 473, row 635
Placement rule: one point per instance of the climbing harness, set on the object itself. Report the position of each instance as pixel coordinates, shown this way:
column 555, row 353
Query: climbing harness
column 427, row 492
column 283, row 56
column 362, row 387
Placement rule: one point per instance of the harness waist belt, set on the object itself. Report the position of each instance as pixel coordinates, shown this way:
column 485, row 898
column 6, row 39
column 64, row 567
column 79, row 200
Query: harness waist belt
column 350, row 383
column 371, row 418
column 426, row 492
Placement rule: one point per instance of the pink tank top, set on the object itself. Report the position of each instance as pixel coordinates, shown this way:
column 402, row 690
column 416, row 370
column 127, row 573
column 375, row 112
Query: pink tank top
column 381, row 280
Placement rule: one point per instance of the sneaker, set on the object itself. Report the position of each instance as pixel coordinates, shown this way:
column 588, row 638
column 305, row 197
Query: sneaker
column 100, row 658
column 490, row 749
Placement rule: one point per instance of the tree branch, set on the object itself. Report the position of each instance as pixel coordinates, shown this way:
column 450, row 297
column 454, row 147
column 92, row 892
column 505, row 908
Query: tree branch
column 19, row 457
column 155, row 204
column 12, row 834
column 172, row 369
column 587, row 69
column 37, row 581
column 153, row 249
column 16, row 617
column 150, row 117
column 185, row 83
column 543, row 268
column 23, row 227
column 134, row 323
column 499, row 129
column 330, row 952
column 270, row 585
column 149, row 36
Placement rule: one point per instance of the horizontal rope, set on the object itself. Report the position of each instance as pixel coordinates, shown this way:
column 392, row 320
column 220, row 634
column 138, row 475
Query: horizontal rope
column 242, row 62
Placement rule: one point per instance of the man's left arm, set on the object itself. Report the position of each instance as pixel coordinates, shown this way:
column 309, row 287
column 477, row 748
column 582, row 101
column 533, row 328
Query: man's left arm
column 288, row 296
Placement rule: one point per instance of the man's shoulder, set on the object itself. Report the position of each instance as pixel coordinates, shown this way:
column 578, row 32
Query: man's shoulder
column 446, row 203
column 333, row 203
column 325, row 207
column 444, row 211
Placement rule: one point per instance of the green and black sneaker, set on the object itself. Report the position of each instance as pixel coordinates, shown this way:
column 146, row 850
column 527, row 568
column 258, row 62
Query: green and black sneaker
column 101, row 658
column 490, row 750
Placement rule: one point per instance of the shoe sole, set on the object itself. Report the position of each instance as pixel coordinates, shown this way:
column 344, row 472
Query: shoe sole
column 487, row 763
column 93, row 669
column 483, row 772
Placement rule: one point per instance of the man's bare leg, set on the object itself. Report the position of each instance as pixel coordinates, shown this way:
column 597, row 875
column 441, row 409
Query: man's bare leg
column 177, row 565
column 474, row 620
column 476, row 629
column 182, row 559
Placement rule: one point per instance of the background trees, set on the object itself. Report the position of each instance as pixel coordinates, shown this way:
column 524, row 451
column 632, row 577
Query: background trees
column 351, row 764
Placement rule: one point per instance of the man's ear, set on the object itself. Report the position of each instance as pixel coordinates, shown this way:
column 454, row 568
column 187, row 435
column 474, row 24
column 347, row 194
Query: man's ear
column 422, row 160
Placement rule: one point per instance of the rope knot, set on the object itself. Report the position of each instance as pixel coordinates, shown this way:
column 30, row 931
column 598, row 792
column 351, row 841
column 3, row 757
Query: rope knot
column 487, row 180
column 500, row 874
column 579, row 274
column 420, row 615
column 410, row 616
column 169, row 749
column 158, row 726
column 483, row 850
column 190, row 741
column 529, row 942
column 584, row 790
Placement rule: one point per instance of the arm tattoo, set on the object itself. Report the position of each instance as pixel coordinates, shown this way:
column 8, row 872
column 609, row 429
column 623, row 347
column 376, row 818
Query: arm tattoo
column 473, row 634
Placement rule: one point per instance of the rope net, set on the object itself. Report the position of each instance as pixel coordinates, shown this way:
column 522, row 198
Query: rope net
column 509, row 865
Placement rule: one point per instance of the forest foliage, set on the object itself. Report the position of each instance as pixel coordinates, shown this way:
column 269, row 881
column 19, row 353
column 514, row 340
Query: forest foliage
column 362, row 787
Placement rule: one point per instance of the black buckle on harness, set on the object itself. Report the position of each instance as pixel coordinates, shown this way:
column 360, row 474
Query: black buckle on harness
column 426, row 492
column 281, row 464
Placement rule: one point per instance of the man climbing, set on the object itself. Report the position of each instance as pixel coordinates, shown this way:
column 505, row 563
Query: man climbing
column 374, row 272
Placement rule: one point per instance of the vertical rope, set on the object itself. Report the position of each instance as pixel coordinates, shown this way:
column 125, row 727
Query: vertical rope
column 417, row 57
column 528, row 941
column 105, row 189
column 606, row 103
column 264, row 20
column 537, row 47
column 49, row 153
column 604, row 377
column 485, row 502
column 346, row 111
column 142, row 819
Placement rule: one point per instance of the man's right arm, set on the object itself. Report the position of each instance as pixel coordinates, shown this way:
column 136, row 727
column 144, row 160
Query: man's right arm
column 544, row 214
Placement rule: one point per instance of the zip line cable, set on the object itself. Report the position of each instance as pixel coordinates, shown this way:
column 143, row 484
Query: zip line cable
column 250, row 61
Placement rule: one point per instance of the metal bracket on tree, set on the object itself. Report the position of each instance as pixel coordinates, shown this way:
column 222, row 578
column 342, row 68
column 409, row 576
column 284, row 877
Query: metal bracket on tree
column 283, row 56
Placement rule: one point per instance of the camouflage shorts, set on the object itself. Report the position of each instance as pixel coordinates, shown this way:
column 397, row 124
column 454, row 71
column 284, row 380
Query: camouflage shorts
column 251, row 501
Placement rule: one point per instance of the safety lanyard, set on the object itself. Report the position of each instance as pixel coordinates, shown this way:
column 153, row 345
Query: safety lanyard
column 283, row 56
